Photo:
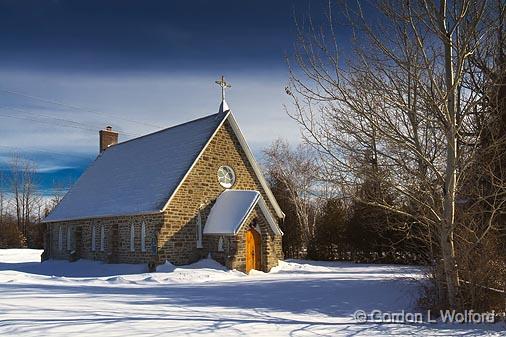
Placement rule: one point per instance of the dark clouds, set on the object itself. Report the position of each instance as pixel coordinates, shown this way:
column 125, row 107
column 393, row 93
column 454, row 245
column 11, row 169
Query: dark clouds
column 146, row 35
column 153, row 61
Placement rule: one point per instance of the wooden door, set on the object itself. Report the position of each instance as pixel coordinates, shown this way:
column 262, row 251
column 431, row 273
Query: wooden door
column 253, row 258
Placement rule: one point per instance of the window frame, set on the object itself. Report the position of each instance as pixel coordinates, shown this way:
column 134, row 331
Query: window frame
column 231, row 172
column 102, row 237
column 143, row 237
column 132, row 238
column 69, row 241
column 60, row 238
column 221, row 243
column 199, row 230
column 93, row 238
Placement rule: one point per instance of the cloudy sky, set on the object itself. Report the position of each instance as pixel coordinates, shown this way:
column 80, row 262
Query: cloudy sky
column 69, row 68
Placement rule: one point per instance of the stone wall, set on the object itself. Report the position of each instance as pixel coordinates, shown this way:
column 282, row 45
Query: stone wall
column 116, row 238
column 177, row 240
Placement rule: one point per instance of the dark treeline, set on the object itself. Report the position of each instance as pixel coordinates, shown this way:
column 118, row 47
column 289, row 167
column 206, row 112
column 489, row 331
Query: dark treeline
column 338, row 226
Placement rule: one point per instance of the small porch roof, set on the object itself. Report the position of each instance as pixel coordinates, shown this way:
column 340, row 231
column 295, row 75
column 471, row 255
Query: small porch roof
column 231, row 210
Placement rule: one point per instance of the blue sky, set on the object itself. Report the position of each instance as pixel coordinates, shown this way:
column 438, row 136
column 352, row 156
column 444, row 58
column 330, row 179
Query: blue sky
column 69, row 68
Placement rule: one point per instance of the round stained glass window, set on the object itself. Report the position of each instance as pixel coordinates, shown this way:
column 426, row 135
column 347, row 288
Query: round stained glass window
column 226, row 176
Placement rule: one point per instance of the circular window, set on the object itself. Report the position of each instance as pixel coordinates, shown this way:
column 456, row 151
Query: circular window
column 226, row 176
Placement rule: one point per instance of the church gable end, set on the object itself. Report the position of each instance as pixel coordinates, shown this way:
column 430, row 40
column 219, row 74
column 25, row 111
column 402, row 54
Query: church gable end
column 196, row 195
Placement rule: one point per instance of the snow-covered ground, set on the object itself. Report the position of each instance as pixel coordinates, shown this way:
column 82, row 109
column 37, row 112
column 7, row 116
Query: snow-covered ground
column 298, row 298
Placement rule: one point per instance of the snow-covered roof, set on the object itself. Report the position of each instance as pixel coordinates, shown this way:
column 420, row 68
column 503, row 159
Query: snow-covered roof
column 142, row 175
column 139, row 175
column 232, row 208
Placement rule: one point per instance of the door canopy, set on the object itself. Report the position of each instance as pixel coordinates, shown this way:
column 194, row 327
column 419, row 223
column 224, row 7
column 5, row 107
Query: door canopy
column 231, row 210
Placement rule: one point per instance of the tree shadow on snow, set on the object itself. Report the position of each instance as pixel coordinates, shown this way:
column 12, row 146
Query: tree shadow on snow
column 264, row 300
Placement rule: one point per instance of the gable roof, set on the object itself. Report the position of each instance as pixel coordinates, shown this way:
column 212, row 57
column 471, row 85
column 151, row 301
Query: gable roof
column 142, row 175
column 231, row 210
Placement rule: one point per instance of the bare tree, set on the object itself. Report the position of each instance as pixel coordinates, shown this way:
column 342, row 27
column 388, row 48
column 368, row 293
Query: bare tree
column 58, row 192
column 24, row 191
column 399, row 99
column 3, row 201
column 297, row 172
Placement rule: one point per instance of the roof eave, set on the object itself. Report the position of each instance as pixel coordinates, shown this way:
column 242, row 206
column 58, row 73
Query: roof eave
column 103, row 216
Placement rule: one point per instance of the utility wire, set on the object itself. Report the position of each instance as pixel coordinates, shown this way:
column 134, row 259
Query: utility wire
column 68, row 123
column 42, row 121
column 72, row 106
column 47, row 119
column 31, row 149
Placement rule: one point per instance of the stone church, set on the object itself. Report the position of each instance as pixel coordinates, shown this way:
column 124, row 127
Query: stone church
column 179, row 194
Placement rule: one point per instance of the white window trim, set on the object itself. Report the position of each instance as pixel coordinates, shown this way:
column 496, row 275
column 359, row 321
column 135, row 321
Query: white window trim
column 220, row 244
column 60, row 238
column 93, row 238
column 143, row 237
column 132, row 238
column 227, row 170
column 69, row 243
column 198, row 229
column 102, row 237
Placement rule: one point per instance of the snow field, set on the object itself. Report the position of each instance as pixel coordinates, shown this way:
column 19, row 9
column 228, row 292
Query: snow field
column 297, row 298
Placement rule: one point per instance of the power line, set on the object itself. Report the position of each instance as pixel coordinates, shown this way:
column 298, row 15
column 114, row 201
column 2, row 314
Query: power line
column 72, row 106
column 44, row 122
column 68, row 122
column 48, row 116
column 29, row 149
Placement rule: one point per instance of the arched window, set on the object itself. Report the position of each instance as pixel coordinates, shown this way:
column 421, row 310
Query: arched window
column 60, row 238
column 102, row 237
column 143, row 237
column 93, row 238
column 132, row 238
column 69, row 239
column 198, row 229
column 220, row 244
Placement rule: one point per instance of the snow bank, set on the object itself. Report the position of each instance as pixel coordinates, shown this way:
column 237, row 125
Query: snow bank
column 297, row 298
column 167, row 267
column 20, row 255
column 22, row 265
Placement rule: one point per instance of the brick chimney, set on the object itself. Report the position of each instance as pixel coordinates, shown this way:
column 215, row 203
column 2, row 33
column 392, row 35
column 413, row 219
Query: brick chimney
column 107, row 138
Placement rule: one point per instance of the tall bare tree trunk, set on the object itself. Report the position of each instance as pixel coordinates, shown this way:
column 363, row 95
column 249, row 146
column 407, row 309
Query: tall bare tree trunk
column 447, row 229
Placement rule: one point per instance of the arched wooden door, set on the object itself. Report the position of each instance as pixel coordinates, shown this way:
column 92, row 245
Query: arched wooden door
column 253, row 257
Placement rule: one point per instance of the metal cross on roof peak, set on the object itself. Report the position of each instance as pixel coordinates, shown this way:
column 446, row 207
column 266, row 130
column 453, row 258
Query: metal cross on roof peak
column 224, row 85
